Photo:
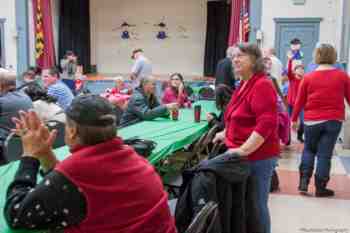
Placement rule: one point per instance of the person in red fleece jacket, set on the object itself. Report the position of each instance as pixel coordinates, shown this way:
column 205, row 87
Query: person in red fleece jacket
column 295, row 75
column 251, row 122
column 321, row 95
column 104, row 186
column 176, row 92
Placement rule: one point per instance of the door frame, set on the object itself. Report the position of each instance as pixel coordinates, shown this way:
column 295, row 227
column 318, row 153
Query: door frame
column 2, row 45
column 279, row 22
column 22, row 27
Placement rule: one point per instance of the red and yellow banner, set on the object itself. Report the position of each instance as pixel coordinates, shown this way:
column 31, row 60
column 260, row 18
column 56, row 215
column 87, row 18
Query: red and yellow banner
column 44, row 45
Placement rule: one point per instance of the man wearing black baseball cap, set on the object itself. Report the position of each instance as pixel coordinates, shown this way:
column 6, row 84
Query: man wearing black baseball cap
column 103, row 186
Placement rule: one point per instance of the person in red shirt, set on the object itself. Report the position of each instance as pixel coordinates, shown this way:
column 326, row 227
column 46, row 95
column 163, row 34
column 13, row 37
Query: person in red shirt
column 251, row 122
column 176, row 92
column 295, row 75
column 321, row 95
column 103, row 186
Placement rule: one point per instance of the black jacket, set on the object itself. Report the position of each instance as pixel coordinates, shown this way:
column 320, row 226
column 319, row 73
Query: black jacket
column 226, row 182
column 141, row 108
column 224, row 73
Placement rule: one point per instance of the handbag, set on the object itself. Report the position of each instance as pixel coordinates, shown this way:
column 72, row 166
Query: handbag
column 142, row 147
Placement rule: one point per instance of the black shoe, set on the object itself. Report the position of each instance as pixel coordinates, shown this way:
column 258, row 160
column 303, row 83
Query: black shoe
column 303, row 185
column 300, row 134
column 304, row 181
column 321, row 190
column 300, row 139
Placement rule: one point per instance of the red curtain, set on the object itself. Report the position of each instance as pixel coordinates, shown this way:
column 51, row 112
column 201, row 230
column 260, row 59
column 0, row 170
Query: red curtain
column 234, row 37
column 44, row 42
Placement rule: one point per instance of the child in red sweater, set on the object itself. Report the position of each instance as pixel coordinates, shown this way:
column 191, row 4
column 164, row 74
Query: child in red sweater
column 294, row 77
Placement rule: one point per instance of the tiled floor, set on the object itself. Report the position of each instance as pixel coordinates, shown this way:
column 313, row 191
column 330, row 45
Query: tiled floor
column 293, row 213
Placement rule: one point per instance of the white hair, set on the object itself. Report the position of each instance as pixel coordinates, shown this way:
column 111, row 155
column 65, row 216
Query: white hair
column 230, row 52
column 119, row 78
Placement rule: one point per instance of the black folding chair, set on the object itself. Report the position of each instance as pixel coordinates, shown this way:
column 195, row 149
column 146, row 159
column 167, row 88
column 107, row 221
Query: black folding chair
column 206, row 93
column 12, row 149
column 205, row 219
column 59, row 126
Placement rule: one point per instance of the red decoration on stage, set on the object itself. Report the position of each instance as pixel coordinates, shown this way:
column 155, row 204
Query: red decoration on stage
column 239, row 26
column 244, row 22
column 44, row 42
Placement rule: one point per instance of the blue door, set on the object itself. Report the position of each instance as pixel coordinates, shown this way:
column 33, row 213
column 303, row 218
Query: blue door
column 306, row 29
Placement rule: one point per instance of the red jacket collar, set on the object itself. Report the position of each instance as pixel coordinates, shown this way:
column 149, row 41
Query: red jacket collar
column 114, row 142
column 243, row 90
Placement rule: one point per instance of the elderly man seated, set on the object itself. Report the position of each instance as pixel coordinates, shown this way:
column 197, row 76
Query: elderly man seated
column 103, row 186
column 143, row 104
column 11, row 101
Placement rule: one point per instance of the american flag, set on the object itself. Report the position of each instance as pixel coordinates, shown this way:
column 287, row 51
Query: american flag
column 244, row 22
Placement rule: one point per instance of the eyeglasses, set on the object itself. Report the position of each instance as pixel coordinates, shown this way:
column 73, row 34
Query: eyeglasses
column 174, row 79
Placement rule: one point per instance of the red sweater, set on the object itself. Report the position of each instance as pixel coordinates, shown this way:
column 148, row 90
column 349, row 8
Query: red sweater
column 253, row 107
column 322, row 94
column 170, row 96
column 294, row 84
column 123, row 192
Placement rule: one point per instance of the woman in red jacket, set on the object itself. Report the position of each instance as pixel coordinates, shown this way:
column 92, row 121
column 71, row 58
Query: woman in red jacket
column 321, row 95
column 176, row 92
column 251, row 122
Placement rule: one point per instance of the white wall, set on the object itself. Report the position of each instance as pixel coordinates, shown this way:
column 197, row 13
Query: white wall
column 175, row 54
column 7, row 11
column 329, row 10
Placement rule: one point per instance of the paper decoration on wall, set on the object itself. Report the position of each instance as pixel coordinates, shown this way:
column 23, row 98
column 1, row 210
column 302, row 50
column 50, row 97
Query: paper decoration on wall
column 162, row 31
column 182, row 32
column 126, row 32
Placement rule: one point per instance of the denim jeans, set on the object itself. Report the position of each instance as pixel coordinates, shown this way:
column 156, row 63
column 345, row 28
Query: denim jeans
column 320, row 140
column 301, row 115
column 262, row 170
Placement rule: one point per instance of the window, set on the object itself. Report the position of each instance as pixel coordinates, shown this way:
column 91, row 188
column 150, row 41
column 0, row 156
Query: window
column 2, row 43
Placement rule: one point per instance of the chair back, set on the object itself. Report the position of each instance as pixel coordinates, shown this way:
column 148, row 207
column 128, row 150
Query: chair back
column 59, row 126
column 206, row 93
column 12, row 148
column 205, row 219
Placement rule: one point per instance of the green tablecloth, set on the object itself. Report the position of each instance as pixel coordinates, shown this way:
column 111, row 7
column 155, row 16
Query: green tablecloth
column 169, row 135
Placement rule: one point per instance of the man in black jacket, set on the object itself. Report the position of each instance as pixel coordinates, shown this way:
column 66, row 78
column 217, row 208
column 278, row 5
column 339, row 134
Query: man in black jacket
column 144, row 105
column 224, row 70
column 225, row 180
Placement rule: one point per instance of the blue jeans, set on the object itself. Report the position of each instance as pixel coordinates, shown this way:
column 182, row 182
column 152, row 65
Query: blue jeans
column 320, row 140
column 301, row 115
column 262, row 170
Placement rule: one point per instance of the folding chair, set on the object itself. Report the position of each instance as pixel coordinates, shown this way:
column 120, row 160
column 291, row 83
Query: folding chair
column 202, row 147
column 205, row 219
column 206, row 93
column 200, row 151
column 59, row 126
column 12, row 148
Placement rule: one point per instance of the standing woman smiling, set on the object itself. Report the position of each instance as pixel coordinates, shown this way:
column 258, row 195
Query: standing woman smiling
column 251, row 122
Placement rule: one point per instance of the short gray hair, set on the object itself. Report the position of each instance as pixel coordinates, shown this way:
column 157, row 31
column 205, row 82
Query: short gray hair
column 145, row 80
column 230, row 52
